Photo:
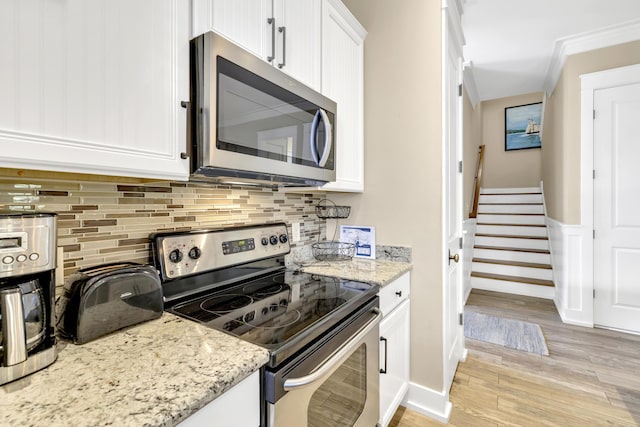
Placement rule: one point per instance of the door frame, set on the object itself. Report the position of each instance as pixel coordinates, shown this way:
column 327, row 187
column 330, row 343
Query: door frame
column 589, row 84
column 452, row 42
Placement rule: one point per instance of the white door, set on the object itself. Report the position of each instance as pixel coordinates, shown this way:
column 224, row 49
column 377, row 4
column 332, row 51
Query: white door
column 616, row 208
column 453, row 331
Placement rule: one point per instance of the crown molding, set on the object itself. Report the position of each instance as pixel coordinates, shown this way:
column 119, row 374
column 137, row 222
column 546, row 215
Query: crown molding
column 587, row 41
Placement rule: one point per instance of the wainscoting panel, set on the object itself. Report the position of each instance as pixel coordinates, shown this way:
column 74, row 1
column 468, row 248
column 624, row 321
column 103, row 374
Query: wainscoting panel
column 574, row 283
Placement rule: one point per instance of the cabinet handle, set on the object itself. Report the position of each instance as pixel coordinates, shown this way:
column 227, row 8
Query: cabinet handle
column 272, row 22
column 386, row 344
column 399, row 293
column 187, row 106
column 283, row 30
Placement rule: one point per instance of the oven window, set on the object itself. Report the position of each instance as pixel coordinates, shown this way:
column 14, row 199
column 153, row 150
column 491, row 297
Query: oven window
column 342, row 397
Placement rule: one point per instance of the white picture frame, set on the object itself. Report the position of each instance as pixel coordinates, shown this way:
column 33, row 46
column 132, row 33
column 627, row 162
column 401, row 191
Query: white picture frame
column 363, row 236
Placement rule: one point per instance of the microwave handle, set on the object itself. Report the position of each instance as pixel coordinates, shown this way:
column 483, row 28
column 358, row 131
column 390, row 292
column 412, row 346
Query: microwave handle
column 13, row 332
column 322, row 370
column 328, row 141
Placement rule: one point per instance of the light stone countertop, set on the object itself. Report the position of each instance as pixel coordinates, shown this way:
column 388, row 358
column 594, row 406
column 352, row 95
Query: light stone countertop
column 377, row 272
column 153, row 374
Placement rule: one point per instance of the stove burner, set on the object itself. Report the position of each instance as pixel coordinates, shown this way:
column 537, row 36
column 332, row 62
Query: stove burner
column 282, row 321
column 261, row 291
column 326, row 305
column 221, row 304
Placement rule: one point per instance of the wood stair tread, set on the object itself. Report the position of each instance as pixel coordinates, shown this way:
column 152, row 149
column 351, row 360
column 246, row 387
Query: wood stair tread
column 510, row 236
column 512, row 263
column 502, row 248
column 507, row 194
column 517, row 279
column 512, row 225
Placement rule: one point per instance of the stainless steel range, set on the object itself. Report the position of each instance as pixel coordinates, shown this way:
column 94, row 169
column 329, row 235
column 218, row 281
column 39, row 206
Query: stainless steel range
column 321, row 332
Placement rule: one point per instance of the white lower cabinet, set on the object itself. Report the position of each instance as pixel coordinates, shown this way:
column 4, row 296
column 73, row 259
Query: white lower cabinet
column 394, row 346
column 238, row 407
column 95, row 86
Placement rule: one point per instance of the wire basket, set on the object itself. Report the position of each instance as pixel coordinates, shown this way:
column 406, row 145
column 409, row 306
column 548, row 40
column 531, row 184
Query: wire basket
column 332, row 211
column 333, row 251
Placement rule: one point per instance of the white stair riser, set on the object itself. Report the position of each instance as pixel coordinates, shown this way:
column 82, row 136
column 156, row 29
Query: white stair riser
column 512, row 256
column 509, row 242
column 512, row 230
column 510, row 198
column 512, row 270
column 510, row 190
column 510, row 209
column 513, row 287
column 510, row 219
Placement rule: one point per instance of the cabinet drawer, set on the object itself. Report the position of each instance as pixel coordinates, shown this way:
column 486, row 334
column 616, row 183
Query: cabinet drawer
column 394, row 293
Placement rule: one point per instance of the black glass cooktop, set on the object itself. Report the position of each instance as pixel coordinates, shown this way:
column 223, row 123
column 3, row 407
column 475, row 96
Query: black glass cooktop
column 282, row 312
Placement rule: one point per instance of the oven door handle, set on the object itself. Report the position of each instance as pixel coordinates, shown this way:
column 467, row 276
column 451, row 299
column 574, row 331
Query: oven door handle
column 336, row 358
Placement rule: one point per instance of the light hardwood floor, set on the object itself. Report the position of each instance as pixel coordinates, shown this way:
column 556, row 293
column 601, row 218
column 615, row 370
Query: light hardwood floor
column 590, row 378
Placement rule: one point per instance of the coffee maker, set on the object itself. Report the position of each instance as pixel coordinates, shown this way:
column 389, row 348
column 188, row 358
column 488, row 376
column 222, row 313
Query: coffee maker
column 27, row 293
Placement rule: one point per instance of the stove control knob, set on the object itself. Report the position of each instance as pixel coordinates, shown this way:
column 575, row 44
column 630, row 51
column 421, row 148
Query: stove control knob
column 273, row 307
column 175, row 256
column 284, row 302
column 265, row 241
column 273, row 239
column 265, row 310
column 195, row 252
column 283, row 238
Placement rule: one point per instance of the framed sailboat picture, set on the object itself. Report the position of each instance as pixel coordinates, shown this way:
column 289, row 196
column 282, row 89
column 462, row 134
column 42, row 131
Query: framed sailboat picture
column 522, row 127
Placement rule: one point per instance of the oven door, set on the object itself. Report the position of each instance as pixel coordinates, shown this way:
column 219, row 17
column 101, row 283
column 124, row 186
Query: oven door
column 335, row 383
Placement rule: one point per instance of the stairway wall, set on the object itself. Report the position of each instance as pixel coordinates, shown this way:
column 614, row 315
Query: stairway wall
column 519, row 168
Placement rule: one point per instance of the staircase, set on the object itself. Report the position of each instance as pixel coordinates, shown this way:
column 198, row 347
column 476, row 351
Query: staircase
column 511, row 247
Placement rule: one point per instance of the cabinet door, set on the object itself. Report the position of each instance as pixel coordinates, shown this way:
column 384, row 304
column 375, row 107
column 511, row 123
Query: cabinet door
column 245, row 22
column 95, row 87
column 342, row 81
column 394, row 355
column 298, row 39
column 238, row 407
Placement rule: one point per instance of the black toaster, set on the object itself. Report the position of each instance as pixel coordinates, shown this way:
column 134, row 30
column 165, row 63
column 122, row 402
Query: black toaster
column 101, row 299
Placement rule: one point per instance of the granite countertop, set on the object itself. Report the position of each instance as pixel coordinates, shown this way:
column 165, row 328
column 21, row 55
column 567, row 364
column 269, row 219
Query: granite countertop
column 378, row 272
column 153, row 374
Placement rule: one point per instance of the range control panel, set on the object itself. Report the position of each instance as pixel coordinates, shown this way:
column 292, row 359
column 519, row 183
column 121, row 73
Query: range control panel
column 200, row 251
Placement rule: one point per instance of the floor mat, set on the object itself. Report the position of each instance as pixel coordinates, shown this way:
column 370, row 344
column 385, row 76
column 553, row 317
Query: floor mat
column 511, row 333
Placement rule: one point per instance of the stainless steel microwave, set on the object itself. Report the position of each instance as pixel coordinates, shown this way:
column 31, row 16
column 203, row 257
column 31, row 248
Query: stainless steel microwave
column 252, row 123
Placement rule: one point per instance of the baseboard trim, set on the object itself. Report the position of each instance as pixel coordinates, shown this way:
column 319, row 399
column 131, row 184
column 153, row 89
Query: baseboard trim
column 428, row 402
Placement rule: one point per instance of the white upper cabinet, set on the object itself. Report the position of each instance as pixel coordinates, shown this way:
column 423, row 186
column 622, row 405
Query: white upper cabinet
column 343, row 81
column 286, row 33
column 242, row 21
column 95, row 86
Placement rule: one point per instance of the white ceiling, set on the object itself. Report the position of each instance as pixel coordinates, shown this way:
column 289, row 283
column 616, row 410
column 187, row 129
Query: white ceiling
column 510, row 43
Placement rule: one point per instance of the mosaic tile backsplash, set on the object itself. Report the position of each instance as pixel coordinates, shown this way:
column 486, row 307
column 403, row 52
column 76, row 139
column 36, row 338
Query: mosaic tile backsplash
column 103, row 222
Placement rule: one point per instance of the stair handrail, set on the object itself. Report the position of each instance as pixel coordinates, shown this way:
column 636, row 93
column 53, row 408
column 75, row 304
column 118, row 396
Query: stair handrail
column 475, row 196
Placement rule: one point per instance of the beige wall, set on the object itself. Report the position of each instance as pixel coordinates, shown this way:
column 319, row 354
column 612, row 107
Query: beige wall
column 519, row 168
column 403, row 158
column 472, row 139
column 561, row 144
